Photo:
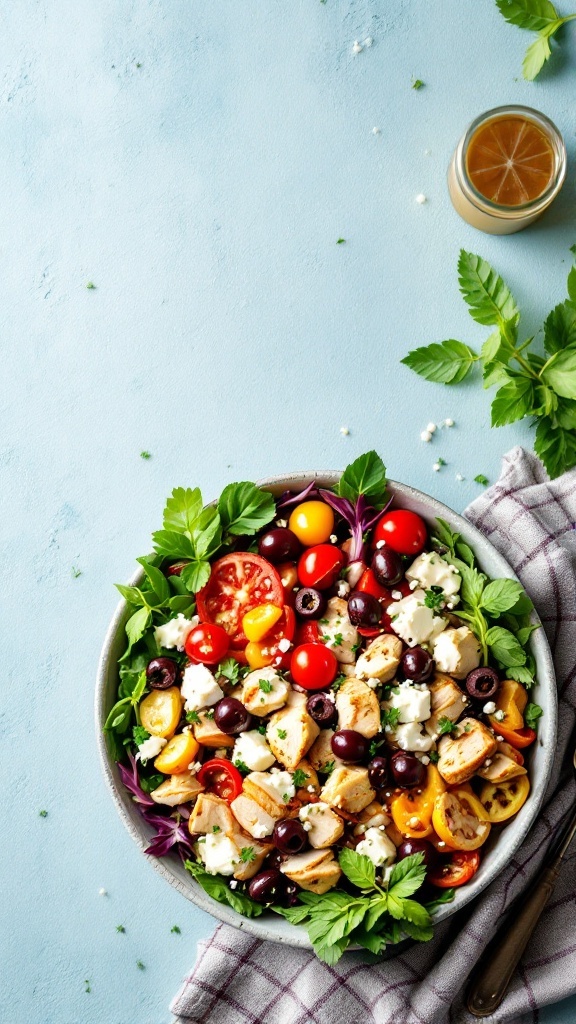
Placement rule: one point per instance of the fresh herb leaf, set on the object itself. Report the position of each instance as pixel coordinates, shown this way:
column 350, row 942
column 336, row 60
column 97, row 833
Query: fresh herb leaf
column 446, row 726
column 434, row 756
column 560, row 326
column 141, row 966
column 556, row 447
column 389, row 717
column 120, row 928
column 531, row 715
column 182, row 510
column 241, row 766
column 340, row 241
column 407, row 876
column 446, row 362
column 417, row 83
column 358, row 868
column 145, row 455
column 505, row 647
column 140, row 735
column 229, row 668
column 560, row 372
column 513, row 401
column 43, row 814
column 327, row 768
column 244, row 509
column 193, row 716
column 503, row 596
column 175, row 930
column 299, row 777
column 196, row 575
column 489, row 298
column 265, row 685
column 434, row 598
column 282, row 733
column 481, row 479
column 530, row 14
column 247, row 854
column 217, row 888
column 367, row 476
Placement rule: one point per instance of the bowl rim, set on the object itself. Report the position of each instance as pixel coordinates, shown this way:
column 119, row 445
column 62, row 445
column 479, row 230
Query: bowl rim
column 284, row 932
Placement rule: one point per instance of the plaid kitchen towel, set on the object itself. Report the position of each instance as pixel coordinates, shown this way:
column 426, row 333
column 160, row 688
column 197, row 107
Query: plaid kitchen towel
column 241, row 980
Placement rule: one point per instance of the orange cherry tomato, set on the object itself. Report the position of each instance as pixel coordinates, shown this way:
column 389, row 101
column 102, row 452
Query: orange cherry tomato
column 457, row 869
column 411, row 809
column 518, row 738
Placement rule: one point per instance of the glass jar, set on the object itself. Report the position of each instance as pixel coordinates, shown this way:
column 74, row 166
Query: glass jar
column 488, row 214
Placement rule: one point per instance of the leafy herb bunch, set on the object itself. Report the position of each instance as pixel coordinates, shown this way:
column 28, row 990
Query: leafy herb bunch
column 542, row 387
column 537, row 16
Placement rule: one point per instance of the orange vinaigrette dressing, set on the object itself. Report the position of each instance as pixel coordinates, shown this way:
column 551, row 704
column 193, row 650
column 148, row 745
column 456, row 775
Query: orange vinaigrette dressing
column 510, row 161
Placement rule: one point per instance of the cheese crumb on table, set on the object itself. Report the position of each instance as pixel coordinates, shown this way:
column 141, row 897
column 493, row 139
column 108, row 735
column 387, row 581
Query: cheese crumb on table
column 421, row 198
column 425, row 435
column 357, row 47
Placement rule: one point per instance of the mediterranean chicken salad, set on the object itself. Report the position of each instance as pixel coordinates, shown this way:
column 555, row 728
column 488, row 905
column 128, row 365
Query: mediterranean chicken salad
column 323, row 705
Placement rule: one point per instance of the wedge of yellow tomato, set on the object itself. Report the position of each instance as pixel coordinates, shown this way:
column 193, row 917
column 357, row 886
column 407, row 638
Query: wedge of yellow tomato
column 460, row 820
column 504, row 799
column 412, row 809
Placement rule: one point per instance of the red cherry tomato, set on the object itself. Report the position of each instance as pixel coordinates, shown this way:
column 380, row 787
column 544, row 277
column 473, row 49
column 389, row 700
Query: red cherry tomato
column 457, row 869
column 238, row 582
column 368, row 584
column 313, row 666
column 307, row 633
column 175, row 569
column 402, row 530
column 207, row 643
column 320, row 566
column 518, row 738
column 219, row 776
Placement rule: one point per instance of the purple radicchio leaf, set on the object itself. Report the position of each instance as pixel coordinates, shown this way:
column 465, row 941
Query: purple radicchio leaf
column 288, row 498
column 170, row 832
column 360, row 517
column 130, row 780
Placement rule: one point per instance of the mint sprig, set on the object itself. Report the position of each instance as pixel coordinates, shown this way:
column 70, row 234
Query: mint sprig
column 528, row 384
column 536, row 16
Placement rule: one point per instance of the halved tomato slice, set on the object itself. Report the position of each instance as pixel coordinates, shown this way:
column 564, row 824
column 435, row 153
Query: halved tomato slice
column 238, row 582
column 457, row 869
column 221, row 777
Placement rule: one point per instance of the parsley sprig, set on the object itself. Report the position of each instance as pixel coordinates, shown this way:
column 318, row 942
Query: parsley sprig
column 374, row 919
column 543, row 388
column 537, row 16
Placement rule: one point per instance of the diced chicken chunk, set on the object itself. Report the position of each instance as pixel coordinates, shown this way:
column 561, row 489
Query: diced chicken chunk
column 341, row 635
column 253, row 818
column 316, row 870
column 271, row 791
column 320, row 753
column 446, row 701
column 456, row 651
column 500, row 768
column 247, row 869
column 213, row 817
column 461, row 756
column 379, row 661
column 348, row 789
column 358, row 708
column 208, row 734
column 264, row 691
column 211, row 813
column 372, row 816
column 311, row 785
column 323, row 826
column 178, row 789
column 290, row 734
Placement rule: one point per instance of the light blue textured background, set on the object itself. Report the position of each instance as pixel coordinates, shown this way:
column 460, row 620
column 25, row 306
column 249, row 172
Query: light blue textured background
column 197, row 162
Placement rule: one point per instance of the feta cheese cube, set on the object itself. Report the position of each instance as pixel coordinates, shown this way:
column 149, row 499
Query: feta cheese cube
column 489, row 707
column 251, row 748
column 457, row 652
column 150, row 748
column 174, row 632
column 410, row 737
column 278, row 785
column 430, row 570
column 199, row 688
column 218, row 853
column 413, row 704
column 378, row 847
column 413, row 621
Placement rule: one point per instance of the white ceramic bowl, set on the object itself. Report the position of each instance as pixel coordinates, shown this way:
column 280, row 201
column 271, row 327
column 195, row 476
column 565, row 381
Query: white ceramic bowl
column 501, row 847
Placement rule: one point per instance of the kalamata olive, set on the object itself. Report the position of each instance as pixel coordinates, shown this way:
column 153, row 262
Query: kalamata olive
column 321, row 709
column 364, row 609
column 310, row 603
column 378, row 772
column 289, row 836
column 350, row 745
column 291, row 890
column 407, row 770
column 279, row 545
column 410, row 846
column 231, row 716
column 417, row 664
column 266, row 886
column 482, row 683
column 387, row 567
column 161, row 673
column 274, row 859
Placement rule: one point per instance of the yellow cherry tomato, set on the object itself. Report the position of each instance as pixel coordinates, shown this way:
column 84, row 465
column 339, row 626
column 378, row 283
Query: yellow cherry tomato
column 312, row 522
column 501, row 800
column 160, row 712
column 460, row 820
column 511, row 699
column 178, row 754
column 411, row 809
column 255, row 656
column 259, row 621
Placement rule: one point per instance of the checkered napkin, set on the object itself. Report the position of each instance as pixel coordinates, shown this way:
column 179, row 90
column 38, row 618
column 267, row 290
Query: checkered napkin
column 241, row 980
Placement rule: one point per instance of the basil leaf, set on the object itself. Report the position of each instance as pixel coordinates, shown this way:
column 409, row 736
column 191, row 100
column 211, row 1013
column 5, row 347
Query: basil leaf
column 446, row 362
column 407, row 876
column 444, row 896
column 473, row 583
column 521, row 673
column 416, row 913
column 560, row 373
column 182, row 604
column 531, row 714
column 444, row 534
column 369, row 940
column 501, row 596
column 465, row 553
column 119, row 716
column 182, row 508
column 489, row 298
column 513, row 401
column 531, row 14
column 560, row 326
column 505, row 647
column 244, row 509
column 196, row 575
column 218, row 889
column 367, row 476
column 358, row 868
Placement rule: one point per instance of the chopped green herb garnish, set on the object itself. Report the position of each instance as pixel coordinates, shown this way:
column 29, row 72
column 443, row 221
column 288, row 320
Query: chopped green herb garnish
column 446, row 726
column 434, row 598
column 175, row 930
column 481, row 479
column 140, row 735
column 76, row 572
column 265, row 685
column 145, row 455
column 328, row 767
column 531, row 715
column 338, row 683
column 91, row 286
column 43, row 814
column 286, row 797
column 337, row 641
column 193, row 716
column 262, row 729
column 299, row 777
column 340, row 241
column 434, row 756
column 242, row 767
column 140, row 965
column 389, row 717
column 247, row 854
column 417, row 83
column 87, row 986
column 120, row 928
column 209, row 714
column 216, row 828
column 282, row 733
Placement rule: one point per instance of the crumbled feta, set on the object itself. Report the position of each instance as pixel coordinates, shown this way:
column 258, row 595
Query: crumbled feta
column 251, row 748
column 219, row 854
column 279, row 785
column 174, row 632
column 234, row 884
column 199, row 688
column 318, row 808
column 344, row 431
column 306, row 825
column 378, row 847
column 342, row 588
column 448, row 423
column 413, row 621
column 311, row 789
column 397, row 595
column 425, row 436
column 456, row 651
column 284, row 645
column 376, row 131
column 436, row 467
column 102, row 892
column 421, row 198
column 425, row 759
column 356, row 47
column 499, row 716
column 431, row 427
column 194, row 766
column 413, row 704
column 368, row 41
column 459, row 477
column 259, row 830
column 282, row 522
column 430, row 570
column 410, row 737
column 150, row 748
column 489, row 707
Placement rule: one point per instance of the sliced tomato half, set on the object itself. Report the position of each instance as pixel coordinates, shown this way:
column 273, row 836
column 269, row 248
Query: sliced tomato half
column 238, row 582
column 457, row 869
column 221, row 777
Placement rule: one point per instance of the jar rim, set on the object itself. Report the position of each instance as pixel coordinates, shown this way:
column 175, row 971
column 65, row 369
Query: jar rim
column 533, row 206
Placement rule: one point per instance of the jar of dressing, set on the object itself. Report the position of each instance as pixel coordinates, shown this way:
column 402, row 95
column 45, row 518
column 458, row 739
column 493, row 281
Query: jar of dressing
column 507, row 169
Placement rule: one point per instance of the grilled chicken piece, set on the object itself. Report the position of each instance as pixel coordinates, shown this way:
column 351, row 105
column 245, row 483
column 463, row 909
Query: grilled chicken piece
column 316, row 870
column 290, row 734
column 371, row 817
column 446, row 701
column 247, row 869
column 253, row 818
column 320, row 753
column 304, row 792
column 500, row 768
column 358, row 708
column 211, row 812
column 178, row 789
column 323, row 826
column 456, row 651
column 461, row 756
column 262, row 699
column 348, row 789
column 380, row 660
column 257, row 786
column 208, row 735
column 341, row 635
